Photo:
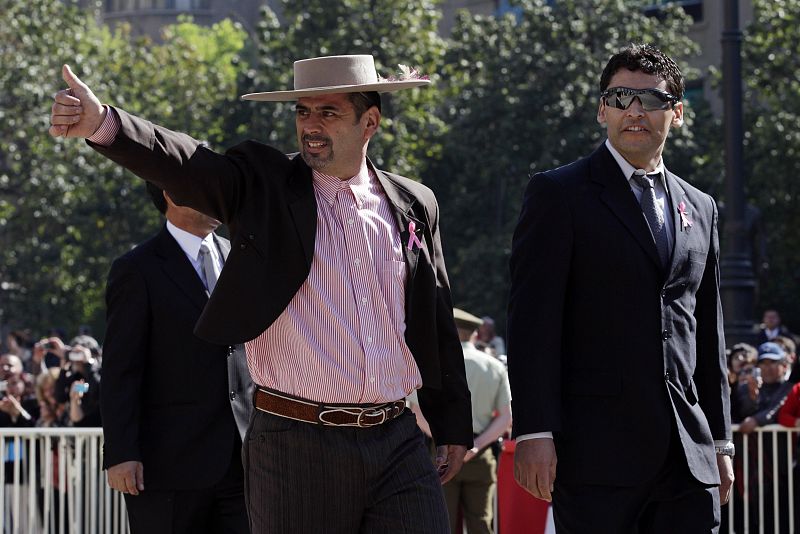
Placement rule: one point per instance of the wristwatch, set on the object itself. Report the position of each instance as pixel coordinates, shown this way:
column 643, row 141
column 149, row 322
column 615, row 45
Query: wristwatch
column 728, row 449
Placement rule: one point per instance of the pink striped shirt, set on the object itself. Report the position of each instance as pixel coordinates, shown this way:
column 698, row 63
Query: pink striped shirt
column 342, row 336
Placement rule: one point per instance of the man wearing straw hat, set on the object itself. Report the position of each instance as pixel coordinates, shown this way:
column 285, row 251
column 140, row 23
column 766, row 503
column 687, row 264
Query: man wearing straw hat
column 336, row 283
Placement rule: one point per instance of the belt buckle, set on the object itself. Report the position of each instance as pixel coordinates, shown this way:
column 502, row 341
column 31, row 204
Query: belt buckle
column 364, row 424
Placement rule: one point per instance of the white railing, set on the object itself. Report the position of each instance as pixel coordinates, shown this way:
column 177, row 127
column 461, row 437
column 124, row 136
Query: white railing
column 52, row 483
column 763, row 500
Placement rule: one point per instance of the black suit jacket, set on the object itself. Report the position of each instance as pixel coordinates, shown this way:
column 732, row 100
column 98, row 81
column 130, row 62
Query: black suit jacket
column 169, row 399
column 267, row 200
column 606, row 347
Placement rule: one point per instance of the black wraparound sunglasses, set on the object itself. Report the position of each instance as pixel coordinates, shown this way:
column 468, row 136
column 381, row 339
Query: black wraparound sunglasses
column 651, row 99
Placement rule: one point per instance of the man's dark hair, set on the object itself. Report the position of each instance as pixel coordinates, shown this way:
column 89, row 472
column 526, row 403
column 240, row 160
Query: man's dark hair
column 648, row 59
column 363, row 101
column 157, row 196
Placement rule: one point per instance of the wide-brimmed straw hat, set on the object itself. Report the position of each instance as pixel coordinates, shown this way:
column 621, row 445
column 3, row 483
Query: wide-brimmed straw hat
column 340, row 74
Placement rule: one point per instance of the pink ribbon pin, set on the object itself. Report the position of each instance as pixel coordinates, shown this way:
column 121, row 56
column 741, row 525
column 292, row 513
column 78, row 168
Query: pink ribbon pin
column 685, row 221
column 412, row 237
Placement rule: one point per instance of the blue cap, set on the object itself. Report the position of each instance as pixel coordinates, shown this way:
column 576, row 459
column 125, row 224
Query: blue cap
column 770, row 351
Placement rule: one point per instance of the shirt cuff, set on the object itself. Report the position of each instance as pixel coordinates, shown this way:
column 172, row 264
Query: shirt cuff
column 721, row 442
column 535, row 435
column 107, row 132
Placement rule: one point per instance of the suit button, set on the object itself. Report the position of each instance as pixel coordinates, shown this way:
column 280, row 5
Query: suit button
column 242, row 246
column 663, row 294
column 233, row 395
column 666, row 376
column 251, row 237
column 665, row 335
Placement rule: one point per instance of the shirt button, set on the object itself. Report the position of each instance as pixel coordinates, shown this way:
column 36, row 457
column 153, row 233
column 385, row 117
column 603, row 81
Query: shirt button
column 357, row 261
column 372, row 379
column 369, row 339
column 351, row 222
column 364, row 300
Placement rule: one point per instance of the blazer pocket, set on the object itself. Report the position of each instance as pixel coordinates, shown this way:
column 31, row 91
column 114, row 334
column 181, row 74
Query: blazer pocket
column 594, row 383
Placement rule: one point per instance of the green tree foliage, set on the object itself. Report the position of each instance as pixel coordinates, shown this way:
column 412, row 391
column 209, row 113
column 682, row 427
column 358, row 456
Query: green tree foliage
column 394, row 31
column 772, row 145
column 66, row 212
column 521, row 96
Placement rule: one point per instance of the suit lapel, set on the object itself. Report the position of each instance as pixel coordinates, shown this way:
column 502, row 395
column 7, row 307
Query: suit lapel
column 178, row 268
column 677, row 196
column 224, row 247
column 303, row 206
column 402, row 202
column 617, row 195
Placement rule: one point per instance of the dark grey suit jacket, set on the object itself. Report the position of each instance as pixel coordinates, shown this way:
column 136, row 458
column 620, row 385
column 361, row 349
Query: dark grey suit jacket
column 605, row 347
column 267, row 200
column 169, row 399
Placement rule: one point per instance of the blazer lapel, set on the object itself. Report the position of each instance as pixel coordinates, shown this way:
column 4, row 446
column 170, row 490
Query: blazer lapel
column 617, row 195
column 679, row 201
column 402, row 202
column 224, row 247
column 303, row 206
column 178, row 268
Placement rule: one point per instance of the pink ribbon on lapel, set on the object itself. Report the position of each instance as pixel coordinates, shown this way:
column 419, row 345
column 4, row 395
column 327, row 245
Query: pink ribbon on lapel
column 685, row 221
column 412, row 237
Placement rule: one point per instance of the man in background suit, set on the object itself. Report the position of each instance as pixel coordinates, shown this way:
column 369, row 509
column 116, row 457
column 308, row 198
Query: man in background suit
column 175, row 408
column 616, row 349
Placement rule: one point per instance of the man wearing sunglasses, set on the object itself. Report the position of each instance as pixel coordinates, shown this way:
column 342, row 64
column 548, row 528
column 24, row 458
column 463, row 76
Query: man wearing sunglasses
column 615, row 341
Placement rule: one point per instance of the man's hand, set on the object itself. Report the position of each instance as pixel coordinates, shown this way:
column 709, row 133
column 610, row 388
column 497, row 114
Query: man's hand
column 725, row 465
column 76, row 112
column 449, row 459
column 127, row 477
column 748, row 425
column 535, row 467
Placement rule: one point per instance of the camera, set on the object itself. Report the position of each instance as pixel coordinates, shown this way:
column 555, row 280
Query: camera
column 82, row 388
column 77, row 356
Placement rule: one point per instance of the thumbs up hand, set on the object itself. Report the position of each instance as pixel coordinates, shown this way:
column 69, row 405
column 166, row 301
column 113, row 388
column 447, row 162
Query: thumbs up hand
column 76, row 112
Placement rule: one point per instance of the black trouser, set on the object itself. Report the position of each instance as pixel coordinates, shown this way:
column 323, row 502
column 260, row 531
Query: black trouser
column 672, row 502
column 307, row 478
column 219, row 509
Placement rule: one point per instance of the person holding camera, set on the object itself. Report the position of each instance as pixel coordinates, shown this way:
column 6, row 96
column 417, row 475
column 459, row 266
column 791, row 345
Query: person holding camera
column 79, row 382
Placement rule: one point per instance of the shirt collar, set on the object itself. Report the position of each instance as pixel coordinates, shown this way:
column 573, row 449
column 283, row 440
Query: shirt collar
column 628, row 169
column 189, row 243
column 328, row 185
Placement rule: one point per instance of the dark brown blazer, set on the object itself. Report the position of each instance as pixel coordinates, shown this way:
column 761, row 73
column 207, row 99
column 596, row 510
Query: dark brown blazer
column 606, row 348
column 267, row 200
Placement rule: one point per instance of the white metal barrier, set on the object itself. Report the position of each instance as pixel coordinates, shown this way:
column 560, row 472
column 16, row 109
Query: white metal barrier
column 764, row 494
column 51, row 482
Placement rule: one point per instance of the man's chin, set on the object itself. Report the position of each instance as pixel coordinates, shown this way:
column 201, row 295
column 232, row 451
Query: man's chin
column 315, row 162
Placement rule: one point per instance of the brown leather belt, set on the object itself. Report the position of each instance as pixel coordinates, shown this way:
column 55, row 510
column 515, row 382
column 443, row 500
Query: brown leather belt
column 357, row 415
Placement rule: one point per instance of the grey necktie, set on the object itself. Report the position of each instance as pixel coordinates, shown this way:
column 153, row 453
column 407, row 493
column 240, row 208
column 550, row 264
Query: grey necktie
column 654, row 214
column 207, row 263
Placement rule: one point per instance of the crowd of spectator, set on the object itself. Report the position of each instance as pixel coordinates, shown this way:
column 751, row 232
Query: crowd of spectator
column 49, row 383
column 765, row 390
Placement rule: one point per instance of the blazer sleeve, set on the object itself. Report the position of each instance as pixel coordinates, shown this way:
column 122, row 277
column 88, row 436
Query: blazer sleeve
column 193, row 174
column 449, row 410
column 711, row 373
column 540, row 264
column 124, row 359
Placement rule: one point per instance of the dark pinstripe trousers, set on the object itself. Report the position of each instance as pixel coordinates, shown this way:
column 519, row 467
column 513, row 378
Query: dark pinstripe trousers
column 302, row 478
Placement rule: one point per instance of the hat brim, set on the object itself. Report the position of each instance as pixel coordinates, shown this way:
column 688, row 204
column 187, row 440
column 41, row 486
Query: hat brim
column 381, row 87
